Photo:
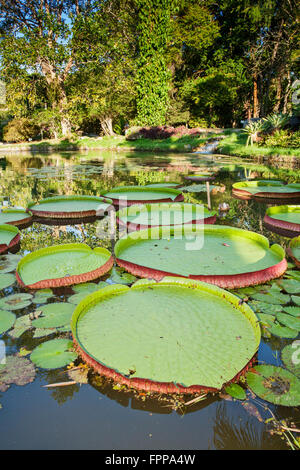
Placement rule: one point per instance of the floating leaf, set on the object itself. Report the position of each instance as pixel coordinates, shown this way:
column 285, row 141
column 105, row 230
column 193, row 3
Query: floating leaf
column 85, row 287
column 21, row 325
column 17, row 370
column 119, row 276
column 42, row 296
column 76, row 298
column 291, row 286
column 295, row 311
column 236, row 391
column 266, row 319
column 8, row 263
column 296, row 299
column 41, row 332
column 7, row 319
column 274, row 298
column 53, row 354
column 270, row 309
column 7, row 280
column 54, row 315
column 274, row 384
column 293, row 275
column 283, row 331
column 289, row 320
column 290, row 356
column 15, row 301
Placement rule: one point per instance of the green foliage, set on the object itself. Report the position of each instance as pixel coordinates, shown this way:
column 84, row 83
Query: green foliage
column 276, row 121
column 20, row 130
column 153, row 27
column 252, row 129
column 284, row 139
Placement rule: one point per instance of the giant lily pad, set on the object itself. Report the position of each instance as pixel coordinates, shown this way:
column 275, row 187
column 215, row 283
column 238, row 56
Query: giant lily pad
column 164, row 184
column 274, row 384
column 9, row 237
column 15, row 301
column 17, row 217
column 17, row 370
column 71, row 206
column 273, row 191
column 225, row 256
column 153, row 215
column 142, row 336
column 129, row 195
column 53, row 354
column 7, row 319
column 284, row 220
column 294, row 250
column 198, row 177
column 63, row 265
column 6, row 280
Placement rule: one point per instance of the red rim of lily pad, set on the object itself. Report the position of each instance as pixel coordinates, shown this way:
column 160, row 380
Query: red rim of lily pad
column 131, row 226
column 69, row 280
column 117, row 202
column 70, row 215
column 230, row 281
column 15, row 240
column 145, row 384
column 294, row 243
column 272, row 197
column 282, row 227
column 20, row 222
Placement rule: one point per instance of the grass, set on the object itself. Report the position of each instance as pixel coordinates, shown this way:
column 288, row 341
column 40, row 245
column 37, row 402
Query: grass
column 173, row 144
column 234, row 143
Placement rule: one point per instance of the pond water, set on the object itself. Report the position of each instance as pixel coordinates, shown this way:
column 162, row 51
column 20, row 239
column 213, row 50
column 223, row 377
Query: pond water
column 98, row 414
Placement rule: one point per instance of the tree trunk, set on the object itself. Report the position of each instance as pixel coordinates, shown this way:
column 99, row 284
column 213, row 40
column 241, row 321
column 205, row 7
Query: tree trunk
column 255, row 96
column 106, row 125
column 278, row 95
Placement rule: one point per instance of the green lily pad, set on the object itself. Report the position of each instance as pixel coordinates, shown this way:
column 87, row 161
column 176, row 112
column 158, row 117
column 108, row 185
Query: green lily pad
column 8, row 263
column 283, row 331
column 85, row 287
column 274, row 298
column 275, row 385
column 15, row 301
column 292, row 275
column 119, row 276
column 296, row 299
column 42, row 296
column 291, row 286
column 295, row 311
column 290, row 356
column 41, row 332
column 7, row 319
column 76, row 298
column 264, row 307
column 266, row 319
column 289, row 320
column 21, row 325
column 54, row 315
column 53, row 354
column 6, row 280
column 17, row 370
column 236, row 391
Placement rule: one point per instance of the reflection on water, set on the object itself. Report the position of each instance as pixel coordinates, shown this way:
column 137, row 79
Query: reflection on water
column 101, row 414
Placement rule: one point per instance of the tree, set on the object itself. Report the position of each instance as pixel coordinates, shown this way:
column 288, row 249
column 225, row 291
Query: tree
column 153, row 29
column 42, row 36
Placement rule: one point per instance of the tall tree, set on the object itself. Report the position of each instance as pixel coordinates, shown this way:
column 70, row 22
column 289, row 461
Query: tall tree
column 38, row 35
column 153, row 28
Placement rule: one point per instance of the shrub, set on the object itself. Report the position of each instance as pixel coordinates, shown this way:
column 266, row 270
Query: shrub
column 282, row 138
column 276, row 121
column 20, row 130
column 161, row 132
